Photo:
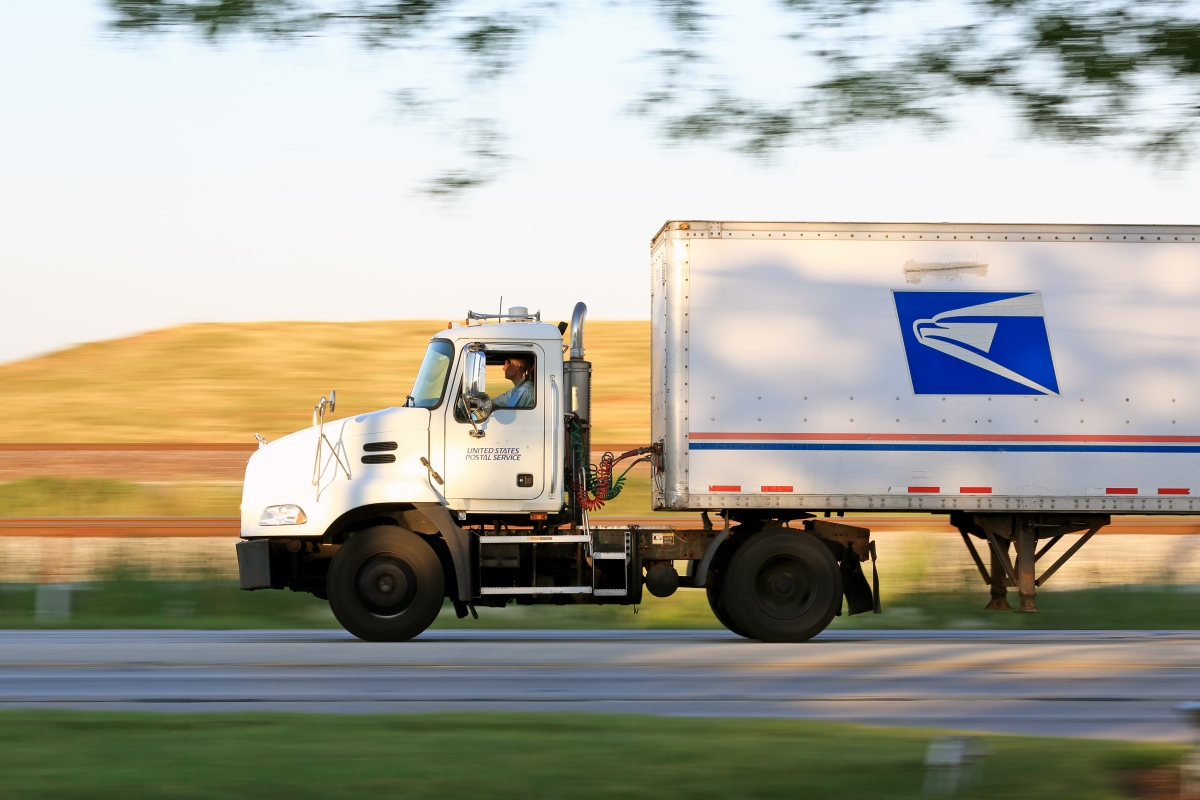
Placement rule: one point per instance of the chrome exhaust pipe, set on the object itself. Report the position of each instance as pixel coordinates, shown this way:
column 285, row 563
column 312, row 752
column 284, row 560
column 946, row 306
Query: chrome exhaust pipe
column 577, row 318
column 577, row 377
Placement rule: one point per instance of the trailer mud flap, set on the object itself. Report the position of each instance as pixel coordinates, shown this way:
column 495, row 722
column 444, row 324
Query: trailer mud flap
column 254, row 564
column 859, row 598
column 851, row 545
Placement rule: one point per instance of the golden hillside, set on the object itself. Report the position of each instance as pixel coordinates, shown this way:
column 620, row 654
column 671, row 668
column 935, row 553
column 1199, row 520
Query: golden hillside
column 222, row 382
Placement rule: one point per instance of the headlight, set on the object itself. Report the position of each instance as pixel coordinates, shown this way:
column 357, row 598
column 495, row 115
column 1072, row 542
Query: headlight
column 283, row 515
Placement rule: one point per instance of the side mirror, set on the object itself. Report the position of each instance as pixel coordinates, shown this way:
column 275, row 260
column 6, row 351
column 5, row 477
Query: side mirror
column 332, row 399
column 478, row 406
column 475, row 375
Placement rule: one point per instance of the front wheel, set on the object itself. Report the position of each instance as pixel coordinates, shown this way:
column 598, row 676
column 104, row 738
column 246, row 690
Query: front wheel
column 385, row 585
column 782, row 585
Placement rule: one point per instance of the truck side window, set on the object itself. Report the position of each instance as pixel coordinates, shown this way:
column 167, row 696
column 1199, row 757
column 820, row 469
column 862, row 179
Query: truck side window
column 511, row 381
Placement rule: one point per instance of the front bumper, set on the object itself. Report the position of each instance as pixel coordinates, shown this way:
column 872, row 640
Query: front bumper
column 254, row 564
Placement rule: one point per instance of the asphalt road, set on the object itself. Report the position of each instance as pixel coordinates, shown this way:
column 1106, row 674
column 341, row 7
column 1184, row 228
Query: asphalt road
column 1109, row 684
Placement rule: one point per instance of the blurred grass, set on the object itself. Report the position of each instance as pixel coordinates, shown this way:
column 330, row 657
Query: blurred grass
column 1123, row 608
column 127, row 600
column 130, row 601
column 222, row 382
column 52, row 496
column 63, row 754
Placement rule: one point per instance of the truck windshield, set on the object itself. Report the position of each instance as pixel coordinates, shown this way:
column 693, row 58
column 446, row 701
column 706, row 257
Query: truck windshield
column 431, row 379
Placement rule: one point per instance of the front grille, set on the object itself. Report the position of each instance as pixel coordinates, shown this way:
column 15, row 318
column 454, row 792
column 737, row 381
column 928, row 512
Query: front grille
column 375, row 447
column 383, row 458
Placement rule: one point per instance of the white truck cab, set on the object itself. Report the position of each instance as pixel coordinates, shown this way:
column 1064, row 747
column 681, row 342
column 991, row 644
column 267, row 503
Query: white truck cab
column 430, row 450
column 454, row 494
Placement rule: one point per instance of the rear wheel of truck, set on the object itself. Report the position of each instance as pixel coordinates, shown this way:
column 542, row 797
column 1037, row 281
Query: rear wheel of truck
column 386, row 585
column 782, row 586
column 717, row 604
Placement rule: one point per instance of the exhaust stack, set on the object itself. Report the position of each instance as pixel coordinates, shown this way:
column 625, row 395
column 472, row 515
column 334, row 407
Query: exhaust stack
column 577, row 377
column 577, row 318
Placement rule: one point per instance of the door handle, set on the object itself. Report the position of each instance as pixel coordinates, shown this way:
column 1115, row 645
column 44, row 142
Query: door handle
column 553, row 435
column 432, row 471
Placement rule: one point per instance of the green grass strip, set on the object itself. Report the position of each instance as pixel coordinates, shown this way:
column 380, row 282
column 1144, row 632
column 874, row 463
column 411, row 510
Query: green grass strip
column 60, row 754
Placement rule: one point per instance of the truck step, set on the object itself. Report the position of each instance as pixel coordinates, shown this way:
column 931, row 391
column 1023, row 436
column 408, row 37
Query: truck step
column 537, row 590
column 532, row 539
column 610, row 592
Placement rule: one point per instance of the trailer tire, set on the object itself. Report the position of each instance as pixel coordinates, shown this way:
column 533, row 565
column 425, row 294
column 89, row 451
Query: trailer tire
column 717, row 604
column 782, row 585
column 386, row 585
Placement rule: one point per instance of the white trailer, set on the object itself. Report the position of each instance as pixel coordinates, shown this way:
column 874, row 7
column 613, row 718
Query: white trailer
column 1029, row 381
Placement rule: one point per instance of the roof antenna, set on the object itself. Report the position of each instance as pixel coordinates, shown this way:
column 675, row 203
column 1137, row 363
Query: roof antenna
column 500, row 313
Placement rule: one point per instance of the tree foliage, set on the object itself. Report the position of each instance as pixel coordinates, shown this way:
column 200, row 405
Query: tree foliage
column 1114, row 73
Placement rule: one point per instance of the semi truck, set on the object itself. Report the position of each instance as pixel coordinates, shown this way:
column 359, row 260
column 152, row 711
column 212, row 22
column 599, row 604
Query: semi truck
column 1027, row 381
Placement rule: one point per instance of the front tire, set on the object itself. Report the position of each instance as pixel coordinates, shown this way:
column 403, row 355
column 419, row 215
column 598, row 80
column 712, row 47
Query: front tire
column 782, row 585
column 386, row 585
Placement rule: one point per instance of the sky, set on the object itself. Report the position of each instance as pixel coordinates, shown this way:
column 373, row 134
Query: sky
column 150, row 184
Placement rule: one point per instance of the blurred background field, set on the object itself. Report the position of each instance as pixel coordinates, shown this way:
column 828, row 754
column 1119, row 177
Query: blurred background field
column 225, row 382
column 54, row 496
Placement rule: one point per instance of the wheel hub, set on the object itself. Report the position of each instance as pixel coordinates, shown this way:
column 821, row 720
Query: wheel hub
column 783, row 587
column 386, row 584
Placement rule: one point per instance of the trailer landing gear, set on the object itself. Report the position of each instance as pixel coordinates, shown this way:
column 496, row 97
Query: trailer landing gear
column 1022, row 530
column 997, row 580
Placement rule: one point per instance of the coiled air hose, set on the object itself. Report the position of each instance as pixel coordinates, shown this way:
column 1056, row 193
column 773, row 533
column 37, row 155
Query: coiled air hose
column 600, row 485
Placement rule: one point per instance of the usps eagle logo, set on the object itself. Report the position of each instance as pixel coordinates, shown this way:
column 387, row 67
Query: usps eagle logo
column 992, row 343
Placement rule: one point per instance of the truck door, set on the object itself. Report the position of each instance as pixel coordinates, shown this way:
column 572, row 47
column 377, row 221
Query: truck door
column 508, row 462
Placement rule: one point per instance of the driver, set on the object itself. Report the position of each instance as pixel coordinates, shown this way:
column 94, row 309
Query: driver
column 519, row 370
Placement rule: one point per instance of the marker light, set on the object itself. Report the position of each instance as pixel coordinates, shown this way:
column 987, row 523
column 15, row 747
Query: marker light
column 283, row 515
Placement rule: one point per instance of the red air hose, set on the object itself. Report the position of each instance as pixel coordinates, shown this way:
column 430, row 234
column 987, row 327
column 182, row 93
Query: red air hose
column 600, row 481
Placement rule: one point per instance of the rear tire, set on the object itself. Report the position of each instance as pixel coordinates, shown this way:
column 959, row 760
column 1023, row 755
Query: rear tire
column 715, row 602
column 386, row 585
column 782, row 585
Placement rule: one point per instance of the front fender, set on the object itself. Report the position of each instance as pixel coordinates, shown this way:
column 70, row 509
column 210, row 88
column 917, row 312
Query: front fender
column 390, row 472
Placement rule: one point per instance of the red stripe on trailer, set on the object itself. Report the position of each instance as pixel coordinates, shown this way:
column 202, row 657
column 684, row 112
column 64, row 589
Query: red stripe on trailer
column 1121, row 490
column 924, row 489
column 785, row 489
column 1174, row 491
column 724, row 488
column 940, row 437
column 975, row 490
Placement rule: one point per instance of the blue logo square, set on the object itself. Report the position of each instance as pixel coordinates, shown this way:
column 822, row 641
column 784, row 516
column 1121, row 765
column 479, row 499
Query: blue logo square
column 991, row 343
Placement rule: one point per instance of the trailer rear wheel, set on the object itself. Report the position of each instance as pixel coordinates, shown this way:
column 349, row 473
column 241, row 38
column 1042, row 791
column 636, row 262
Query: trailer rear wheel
column 782, row 586
column 717, row 604
column 386, row 585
